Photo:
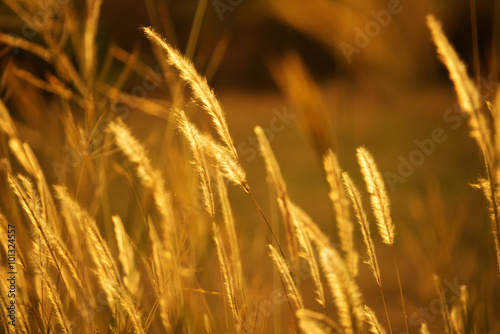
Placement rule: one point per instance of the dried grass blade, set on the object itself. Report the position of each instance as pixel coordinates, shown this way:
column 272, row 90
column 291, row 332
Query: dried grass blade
column 284, row 271
column 89, row 38
column 228, row 276
column 378, row 195
column 279, row 184
column 359, row 211
column 341, row 207
column 345, row 291
column 233, row 240
column 371, row 319
column 485, row 186
column 314, row 232
column 460, row 316
column 316, row 323
column 444, row 305
column 424, row 329
column 202, row 92
column 107, row 271
column 308, row 254
column 200, row 162
column 21, row 43
column 125, row 256
column 150, row 177
column 161, row 281
column 54, row 298
column 468, row 95
column 230, row 167
column 106, row 268
column 30, row 202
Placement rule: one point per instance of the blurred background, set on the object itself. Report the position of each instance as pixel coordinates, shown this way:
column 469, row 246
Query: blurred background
column 319, row 74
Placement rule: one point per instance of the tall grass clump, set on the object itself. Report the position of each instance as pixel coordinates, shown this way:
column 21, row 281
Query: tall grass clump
column 485, row 135
column 130, row 212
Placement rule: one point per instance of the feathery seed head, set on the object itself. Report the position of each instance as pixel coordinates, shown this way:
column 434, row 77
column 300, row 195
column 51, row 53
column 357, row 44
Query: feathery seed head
column 378, row 195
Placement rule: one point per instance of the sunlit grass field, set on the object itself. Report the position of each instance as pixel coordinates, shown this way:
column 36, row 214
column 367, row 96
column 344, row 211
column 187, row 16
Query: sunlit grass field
column 233, row 167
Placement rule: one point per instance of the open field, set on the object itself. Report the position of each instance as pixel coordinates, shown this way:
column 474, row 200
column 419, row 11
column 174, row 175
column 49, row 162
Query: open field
column 236, row 167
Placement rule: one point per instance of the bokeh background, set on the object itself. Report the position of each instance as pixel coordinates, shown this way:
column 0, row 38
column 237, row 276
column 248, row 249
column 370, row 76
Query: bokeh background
column 391, row 93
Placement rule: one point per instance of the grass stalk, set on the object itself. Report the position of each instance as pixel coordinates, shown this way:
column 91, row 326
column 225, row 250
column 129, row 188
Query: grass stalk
column 400, row 289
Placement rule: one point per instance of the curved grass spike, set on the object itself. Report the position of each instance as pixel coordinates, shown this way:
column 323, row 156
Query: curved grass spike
column 205, row 95
column 378, row 195
column 359, row 211
column 201, row 90
column 279, row 184
column 340, row 203
column 357, row 205
column 228, row 277
column 308, row 254
column 371, row 319
column 345, row 291
column 291, row 289
column 54, row 298
column 232, row 170
column 233, row 241
column 381, row 209
column 468, row 95
column 168, row 290
column 106, row 269
column 125, row 256
column 343, row 287
column 30, row 202
column 296, row 234
column 469, row 99
column 200, row 162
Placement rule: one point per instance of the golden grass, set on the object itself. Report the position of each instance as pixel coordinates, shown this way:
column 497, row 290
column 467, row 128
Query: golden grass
column 202, row 92
column 21, row 43
column 365, row 227
column 125, row 256
column 470, row 102
column 308, row 254
column 229, row 279
column 47, row 239
column 200, row 162
column 344, row 290
column 279, row 185
column 460, row 313
column 442, row 299
column 316, row 323
column 284, row 271
column 381, row 210
column 126, row 248
column 235, row 259
column 53, row 296
column 424, row 329
column 371, row 319
column 342, row 213
column 378, row 195
column 230, row 167
column 298, row 240
column 291, row 75
column 372, row 261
